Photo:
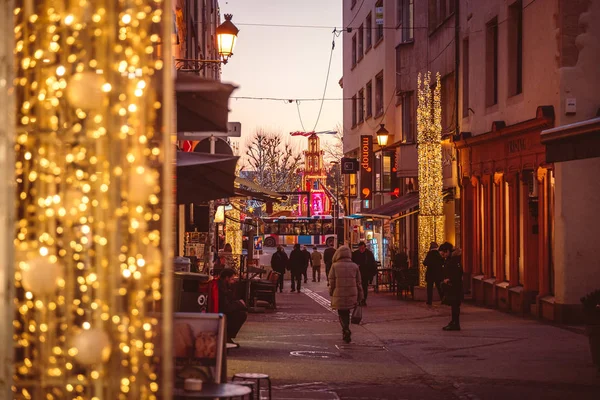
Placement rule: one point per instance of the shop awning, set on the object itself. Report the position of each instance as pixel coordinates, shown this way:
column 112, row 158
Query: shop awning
column 256, row 191
column 202, row 177
column 202, row 104
column 388, row 210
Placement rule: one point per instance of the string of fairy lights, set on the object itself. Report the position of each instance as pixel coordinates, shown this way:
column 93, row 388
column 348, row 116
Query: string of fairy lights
column 429, row 153
column 88, row 163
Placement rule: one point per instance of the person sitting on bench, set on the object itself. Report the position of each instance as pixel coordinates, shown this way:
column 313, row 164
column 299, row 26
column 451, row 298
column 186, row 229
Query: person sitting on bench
column 235, row 311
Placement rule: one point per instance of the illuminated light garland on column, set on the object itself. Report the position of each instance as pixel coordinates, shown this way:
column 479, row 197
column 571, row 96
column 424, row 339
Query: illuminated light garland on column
column 233, row 233
column 88, row 165
column 429, row 145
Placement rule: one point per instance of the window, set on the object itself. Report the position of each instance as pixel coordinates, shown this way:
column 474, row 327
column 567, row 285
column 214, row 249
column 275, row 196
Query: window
column 353, row 111
column 405, row 17
column 491, row 62
column 361, row 106
column 353, row 50
column 369, row 100
column 515, row 48
column 361, row 40
column 379, row 20
column 447, row 103
column 408, row 117
column 465, row 80
column 379, row 94
column 386, row 172
column 369, row 29
column 439, row 11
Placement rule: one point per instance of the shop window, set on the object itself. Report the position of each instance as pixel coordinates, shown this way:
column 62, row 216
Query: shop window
column 482, row 227
column 507, row 244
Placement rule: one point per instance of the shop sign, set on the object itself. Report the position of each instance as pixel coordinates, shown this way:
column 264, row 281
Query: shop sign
column 366, row 167
column 517, row 145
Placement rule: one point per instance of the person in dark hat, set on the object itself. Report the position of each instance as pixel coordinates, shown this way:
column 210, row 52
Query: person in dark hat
column 433, row 275
column 365, row 260
column 297, row 264
column 453, row 285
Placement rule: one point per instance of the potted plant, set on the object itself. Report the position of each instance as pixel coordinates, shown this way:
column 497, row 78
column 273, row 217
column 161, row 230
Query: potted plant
column 591, row 310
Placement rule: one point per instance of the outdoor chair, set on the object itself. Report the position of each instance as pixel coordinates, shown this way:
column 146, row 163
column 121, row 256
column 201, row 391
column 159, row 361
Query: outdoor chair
column 265, row 290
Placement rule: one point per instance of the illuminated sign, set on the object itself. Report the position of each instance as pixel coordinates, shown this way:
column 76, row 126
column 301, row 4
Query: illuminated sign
column 366, row 167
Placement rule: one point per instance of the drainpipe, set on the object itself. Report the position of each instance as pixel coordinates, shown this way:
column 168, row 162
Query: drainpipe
column 456, row 108
column 456, row 61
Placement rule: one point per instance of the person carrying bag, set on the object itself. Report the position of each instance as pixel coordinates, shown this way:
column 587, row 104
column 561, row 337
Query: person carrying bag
column 345, row 288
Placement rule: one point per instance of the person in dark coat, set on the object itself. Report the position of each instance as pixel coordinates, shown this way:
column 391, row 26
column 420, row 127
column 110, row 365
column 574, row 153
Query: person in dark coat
column 328, row 260
column 234, row 310
column 433, row 275
column 279, row 262
column 365, row 260
column 297, row 265
column 453, row 285
column 307, row 261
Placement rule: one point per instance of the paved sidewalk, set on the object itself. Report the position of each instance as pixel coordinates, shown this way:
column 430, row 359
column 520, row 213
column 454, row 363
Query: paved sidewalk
column 400, row 351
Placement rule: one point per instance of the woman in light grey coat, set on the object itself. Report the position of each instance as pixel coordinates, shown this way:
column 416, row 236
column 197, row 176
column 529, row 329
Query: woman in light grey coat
column 345, row 287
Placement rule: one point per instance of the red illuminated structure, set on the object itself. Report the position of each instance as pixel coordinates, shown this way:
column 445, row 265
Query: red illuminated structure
column 316, row 199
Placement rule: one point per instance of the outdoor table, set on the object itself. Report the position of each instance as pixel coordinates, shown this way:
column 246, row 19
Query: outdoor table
column 384, row 277
column 213, row 391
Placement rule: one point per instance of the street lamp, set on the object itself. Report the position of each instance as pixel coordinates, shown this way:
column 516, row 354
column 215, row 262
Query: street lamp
column 337, row 200
column 226, row 38
column 382, row 136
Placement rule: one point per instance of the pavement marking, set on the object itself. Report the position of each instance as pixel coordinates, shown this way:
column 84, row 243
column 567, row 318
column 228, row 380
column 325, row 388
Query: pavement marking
column 322, row 301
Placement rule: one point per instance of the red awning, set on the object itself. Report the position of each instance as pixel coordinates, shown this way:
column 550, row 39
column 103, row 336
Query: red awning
column 394, row 207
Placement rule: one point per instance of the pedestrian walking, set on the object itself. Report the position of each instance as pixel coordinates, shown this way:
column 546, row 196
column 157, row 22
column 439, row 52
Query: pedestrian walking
column 453, row 285
column 297, row 264
column 433, row 275
column 315, row 258
column 345, row 288
column 307, row 261
column 365, row 260
column 328, row 259
column 279, row 263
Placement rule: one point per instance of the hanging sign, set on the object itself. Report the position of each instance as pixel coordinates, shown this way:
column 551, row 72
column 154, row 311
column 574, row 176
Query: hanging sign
column 379, row 15
column 366, row 167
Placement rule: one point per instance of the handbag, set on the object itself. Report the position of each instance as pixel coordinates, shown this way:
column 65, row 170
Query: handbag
column 356, row 315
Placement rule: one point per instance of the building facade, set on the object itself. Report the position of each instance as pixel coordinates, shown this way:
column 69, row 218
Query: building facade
column 515, row 82
column 390, row 44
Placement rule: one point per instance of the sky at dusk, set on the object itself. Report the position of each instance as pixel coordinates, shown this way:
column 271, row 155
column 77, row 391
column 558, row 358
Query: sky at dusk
column 284, row 62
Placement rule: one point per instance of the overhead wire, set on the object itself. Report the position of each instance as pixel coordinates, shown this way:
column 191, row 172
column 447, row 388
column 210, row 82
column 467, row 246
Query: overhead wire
column 356, row 13
column 326, row 79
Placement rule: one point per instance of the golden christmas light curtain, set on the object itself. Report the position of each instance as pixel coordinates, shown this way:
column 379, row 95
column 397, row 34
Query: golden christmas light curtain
column 429, row 149
column 89, row 160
